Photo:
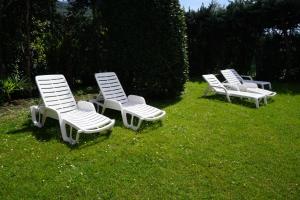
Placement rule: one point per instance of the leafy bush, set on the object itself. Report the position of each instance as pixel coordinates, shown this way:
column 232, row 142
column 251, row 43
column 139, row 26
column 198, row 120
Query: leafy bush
column 147, row 45
column 15, row 82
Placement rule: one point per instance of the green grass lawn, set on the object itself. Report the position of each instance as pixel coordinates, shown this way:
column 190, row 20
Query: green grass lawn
column 205, row 148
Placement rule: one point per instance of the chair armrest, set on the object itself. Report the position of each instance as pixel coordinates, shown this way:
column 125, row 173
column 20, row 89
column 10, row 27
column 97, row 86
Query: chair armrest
column 223, row 88
column 86, row 106
column 250, row 85
column 136, row 99
column 112, row 104
column 49, row 111
column 247, row 77
column 231, row 86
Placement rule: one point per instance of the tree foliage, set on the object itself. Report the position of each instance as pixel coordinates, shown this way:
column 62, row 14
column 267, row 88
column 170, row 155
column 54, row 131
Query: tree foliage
column 254, row 36
column 145, row 46
column 145, row 43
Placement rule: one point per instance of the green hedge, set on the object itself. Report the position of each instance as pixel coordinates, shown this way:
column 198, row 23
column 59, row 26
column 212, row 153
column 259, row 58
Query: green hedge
column 146, row 45
column 258, row 37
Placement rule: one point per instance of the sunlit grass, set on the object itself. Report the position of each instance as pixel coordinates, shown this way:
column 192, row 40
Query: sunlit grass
column 205, row 148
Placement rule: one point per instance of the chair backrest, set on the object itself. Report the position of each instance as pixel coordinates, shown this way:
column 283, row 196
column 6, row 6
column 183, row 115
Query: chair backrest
column 56, row 93
column 230, row 77
column 111, row 87
column 213, row 81
column 237, row 75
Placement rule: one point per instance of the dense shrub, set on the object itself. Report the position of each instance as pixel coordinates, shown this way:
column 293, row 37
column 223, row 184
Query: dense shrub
column 147, row 45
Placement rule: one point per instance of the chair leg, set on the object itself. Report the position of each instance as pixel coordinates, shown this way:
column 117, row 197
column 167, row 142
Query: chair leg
column 77, row 137
column 103, row 109
column 44, row 117
column 138, row 125
column 124, row 118
column 228, row 98
column 97, row 108
column 63, row 130
column 265, row 100
column 135, row 128
column 257, row 103
column 72, row 141
column 71, row 132
column 130, row 125
column 206, row 91
column 34, row 112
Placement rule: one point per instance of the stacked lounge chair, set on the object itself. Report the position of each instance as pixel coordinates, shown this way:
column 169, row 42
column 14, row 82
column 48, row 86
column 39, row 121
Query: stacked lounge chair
column 217, row 87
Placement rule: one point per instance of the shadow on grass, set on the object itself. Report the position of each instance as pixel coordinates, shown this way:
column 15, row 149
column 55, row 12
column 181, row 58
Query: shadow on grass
column 242, row 102
column 51, row 131
column 161, row 104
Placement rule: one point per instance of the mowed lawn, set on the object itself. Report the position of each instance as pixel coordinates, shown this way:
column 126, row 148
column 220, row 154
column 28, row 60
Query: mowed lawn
column 205, row 148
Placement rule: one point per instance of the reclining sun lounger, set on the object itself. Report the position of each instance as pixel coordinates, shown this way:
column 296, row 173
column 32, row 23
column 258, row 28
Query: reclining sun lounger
column 59, row 103
column 216, row 86
column 113, row 96
column 235, row 84
column 249, row 79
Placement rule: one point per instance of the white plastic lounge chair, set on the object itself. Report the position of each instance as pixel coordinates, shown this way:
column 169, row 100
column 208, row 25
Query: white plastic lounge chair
column 113, row 96
column 216, row 86
column 249, row 79
column 235, row 84
column 59, row 103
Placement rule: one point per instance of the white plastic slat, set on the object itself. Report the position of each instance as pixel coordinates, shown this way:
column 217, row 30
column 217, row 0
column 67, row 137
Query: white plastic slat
column 111, row 87
column 57, row 98
column 113, row 90
column 144, row 110
column 236, row 74
column 230, row 77
column 114, row 95
column 50, row 82
column 64, row 101
column 51, row 86
column 66, row 109
column 51, row 90
column 56, row 93
column 63, row 105
column 86, row 120
column 213, row 81
column 122, row 100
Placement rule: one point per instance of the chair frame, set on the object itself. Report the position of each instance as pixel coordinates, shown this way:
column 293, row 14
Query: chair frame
column 58, row 103
column 112, row 96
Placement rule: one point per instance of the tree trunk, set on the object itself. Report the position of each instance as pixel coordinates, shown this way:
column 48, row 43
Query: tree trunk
column 285, row 52
column 27, row 41
column 93, row 6
column 2, row 68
